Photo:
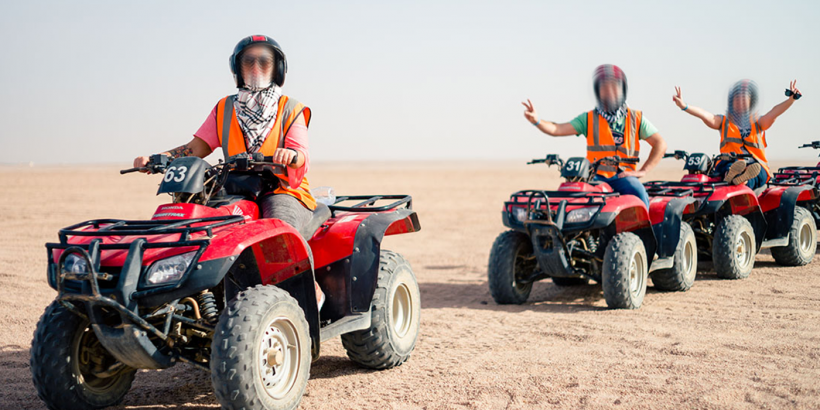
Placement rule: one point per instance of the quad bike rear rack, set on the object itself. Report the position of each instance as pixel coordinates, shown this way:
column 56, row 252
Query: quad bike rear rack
column 666, row 188
column 367, row 203
column 799, row 176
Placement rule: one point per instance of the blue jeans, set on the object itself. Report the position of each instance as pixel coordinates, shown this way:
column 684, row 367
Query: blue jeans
column 722, row 168
column 627, row 186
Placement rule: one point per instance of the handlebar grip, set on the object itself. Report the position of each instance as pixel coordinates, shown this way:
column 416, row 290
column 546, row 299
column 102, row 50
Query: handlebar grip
column 129, row 170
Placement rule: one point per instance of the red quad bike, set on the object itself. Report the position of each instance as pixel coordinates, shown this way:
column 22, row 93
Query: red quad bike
column 586, row 231
column 793, row 191
column 729, row 221
column 207, row 282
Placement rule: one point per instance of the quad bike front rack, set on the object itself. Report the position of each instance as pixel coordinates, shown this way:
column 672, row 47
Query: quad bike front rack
column 545, row 227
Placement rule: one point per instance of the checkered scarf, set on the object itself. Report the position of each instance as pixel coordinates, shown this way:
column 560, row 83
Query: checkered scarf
column 612, row 117
column 256, row 112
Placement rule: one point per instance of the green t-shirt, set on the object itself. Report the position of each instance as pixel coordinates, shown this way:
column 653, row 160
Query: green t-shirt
column 647, row 129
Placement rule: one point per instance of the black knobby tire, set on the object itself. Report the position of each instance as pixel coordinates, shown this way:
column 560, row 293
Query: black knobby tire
column 681, row 276
column 395, row 317
column 260, row 322
column 802, row 241
column 624, row 272
column 62, row 343
column 510, row 259
column 570, row 281
column 734, row 248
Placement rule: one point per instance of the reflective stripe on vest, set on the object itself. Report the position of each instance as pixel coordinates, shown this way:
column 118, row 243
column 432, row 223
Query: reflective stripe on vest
column 601, row 143
column 755, row 143
column 288, row 111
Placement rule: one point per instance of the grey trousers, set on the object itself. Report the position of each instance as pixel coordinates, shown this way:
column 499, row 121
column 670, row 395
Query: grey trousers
column 286, row 208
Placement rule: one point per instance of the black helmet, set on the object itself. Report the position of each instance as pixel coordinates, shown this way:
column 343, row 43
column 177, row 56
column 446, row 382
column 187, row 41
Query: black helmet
column 280, row 62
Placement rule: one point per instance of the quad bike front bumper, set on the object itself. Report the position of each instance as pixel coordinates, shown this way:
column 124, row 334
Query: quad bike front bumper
column 110, row 300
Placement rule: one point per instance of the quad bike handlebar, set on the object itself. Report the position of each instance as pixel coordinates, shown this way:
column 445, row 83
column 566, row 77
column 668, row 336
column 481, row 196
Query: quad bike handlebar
column 158, row 163
column 550, row 160
column 813, row 144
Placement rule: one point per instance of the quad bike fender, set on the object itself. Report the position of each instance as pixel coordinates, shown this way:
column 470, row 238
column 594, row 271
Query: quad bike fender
column 630, row 213
column 740, row 198
column 666, row 221
column 347, row 258
column 779, row 218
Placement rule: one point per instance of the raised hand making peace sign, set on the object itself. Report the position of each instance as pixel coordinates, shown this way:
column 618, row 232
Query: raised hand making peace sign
column 677, row 99
column 530, row 113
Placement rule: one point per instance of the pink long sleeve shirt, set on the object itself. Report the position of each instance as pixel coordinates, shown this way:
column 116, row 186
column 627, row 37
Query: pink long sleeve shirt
column 296, row 139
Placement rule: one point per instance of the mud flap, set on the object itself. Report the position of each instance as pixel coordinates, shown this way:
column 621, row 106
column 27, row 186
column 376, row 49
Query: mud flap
column 780, row 219
column 131, row 345
column 301, row 287
column 550, row 249
column 667, row 232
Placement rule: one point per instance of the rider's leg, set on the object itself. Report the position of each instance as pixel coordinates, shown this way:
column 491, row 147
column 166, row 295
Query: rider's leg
column 628, row 186
column 285, row 207
column 288, row 209
column 758, row 179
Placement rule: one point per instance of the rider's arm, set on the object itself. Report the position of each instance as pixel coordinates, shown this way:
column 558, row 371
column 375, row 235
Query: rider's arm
column 711, row 120
column 297, row 139
column 196, row 148
column 767, row 120
column 658, row 149
column 556, row 130
column 547, row 127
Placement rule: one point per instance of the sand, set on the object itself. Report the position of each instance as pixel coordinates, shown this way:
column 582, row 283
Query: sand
column 745, row 344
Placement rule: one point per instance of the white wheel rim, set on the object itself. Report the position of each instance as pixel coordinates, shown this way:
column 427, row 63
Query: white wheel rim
column 637, row 274
column 401, row 316
column 688, row 259
column 743, row 249
column 279, row 357
column 806, row 238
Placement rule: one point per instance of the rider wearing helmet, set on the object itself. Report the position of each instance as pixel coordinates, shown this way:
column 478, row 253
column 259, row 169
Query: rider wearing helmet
column 612, row 129
column 742, row 131
column 259, row 118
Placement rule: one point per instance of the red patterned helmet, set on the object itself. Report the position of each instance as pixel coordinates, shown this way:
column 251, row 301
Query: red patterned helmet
column 608, row 72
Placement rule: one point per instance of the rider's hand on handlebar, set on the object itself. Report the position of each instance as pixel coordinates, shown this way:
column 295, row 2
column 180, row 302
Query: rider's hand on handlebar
column 530, row 113
column 141, row 162
column 677, row 99
column 284, row 156
column 636, row 174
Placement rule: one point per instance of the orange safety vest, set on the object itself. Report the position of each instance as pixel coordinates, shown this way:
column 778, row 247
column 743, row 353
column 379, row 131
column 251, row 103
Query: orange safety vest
column 288, row 111
column 754, row 143
column 601, row 144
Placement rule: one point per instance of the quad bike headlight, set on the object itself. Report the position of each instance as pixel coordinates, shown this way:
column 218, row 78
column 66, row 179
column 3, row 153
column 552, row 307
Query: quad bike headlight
column 169, row 269
column 580, row 215
column 75, row 263
column 520, row 214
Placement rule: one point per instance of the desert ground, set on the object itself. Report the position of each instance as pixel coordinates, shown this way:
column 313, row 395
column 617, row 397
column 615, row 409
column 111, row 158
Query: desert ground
column 744, row 344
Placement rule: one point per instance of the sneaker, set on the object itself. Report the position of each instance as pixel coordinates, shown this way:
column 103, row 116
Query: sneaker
column 320, row 296
column 750, row 172
column 735, row 170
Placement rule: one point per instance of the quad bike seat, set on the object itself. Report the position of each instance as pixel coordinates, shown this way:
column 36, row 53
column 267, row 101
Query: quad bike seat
column 320, row 215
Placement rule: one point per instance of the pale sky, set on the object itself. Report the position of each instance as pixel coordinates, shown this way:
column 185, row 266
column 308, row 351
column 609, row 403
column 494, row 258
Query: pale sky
column 105, row 81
